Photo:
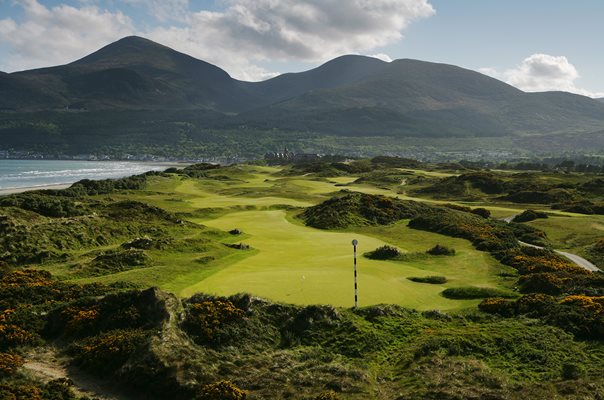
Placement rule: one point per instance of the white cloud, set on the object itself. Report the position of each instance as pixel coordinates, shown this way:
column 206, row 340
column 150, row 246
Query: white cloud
column 382, row 56
column 49, row 36
column 164, row 10
column 542, row 72
column 240, row 37
column 249, row 31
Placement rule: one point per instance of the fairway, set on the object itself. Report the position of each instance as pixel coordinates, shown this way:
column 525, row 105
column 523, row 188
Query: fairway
column 302, row 265
column 289, row 262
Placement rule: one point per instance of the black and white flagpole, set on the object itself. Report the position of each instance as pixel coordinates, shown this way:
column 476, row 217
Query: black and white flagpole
column 356, row 291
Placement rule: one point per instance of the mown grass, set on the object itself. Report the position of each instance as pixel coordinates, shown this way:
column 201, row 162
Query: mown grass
column 292, row 263
column 302, row 265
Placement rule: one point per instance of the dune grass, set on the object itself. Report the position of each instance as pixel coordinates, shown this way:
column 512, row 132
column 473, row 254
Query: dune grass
column 290, row 262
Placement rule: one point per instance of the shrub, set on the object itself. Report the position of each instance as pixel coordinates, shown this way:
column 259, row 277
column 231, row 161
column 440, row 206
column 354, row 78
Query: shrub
column 483, row 212
column 238, row 246
column 358, row 209
column 80, row 319
column 437, row 280
column 439, row 250
column 471, row 292
column 60, row 389
column 108, row 351
column 208, row 317
column 331, row 395
column 198, row 170
column 550, row 196
column 105, row 186
column 384, row 253
column 581, row 207
column 546, row 282
column 222, row 390
column 43, row 204
column 529, row 215
column 20, row 392
column 145, row 243
column 573, row 371
column 497, row 305
column 118, row 260
column 9, row 363
column 12, row 335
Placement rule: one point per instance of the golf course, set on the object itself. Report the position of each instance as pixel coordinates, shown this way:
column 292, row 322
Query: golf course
column 293, row 263
column 276, row 256
column 244, row 274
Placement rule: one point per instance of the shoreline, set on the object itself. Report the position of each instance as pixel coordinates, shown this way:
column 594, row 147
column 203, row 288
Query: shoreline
column 59, row 186
column 56, row 186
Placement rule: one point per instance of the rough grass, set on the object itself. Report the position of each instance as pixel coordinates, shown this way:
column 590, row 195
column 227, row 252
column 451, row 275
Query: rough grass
column 290, row 262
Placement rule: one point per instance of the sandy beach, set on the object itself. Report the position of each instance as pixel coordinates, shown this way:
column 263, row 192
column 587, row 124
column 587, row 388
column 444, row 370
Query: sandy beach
column 4, row 192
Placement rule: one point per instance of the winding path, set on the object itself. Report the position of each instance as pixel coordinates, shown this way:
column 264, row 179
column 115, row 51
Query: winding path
column 578, row 260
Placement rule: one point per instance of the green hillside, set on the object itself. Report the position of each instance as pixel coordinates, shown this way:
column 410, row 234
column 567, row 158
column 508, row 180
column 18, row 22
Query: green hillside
column 135, row 92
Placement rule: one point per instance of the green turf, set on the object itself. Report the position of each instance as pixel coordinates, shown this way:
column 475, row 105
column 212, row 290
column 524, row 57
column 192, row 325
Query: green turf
column 293, row 263
column 302, row 265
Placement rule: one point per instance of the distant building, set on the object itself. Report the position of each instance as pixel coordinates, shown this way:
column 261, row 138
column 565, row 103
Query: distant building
column 288, row 157
column 280, row 158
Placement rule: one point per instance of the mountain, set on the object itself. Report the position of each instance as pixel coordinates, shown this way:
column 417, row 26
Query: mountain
column 601, row 99
column 406, row 97
column 137, row 91
column 132, row 73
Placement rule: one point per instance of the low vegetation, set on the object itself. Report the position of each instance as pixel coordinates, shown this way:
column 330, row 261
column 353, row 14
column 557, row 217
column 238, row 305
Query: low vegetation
column 471, row 292
column 529, row 215
column 433, row 279
column 358, row 209
column 537, row 333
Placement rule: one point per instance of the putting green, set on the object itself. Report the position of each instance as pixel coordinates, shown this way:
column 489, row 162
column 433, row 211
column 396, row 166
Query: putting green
column 301, row 265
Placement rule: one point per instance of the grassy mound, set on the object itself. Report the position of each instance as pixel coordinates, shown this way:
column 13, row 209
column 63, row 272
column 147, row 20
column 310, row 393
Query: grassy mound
column 212, row 347
column 358, row 209
column 469, row 185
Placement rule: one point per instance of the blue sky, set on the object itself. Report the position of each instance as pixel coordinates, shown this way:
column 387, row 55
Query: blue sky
column 535, row 45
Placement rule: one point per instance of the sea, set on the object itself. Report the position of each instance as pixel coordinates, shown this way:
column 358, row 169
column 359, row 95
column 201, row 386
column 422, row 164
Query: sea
column 16, row 174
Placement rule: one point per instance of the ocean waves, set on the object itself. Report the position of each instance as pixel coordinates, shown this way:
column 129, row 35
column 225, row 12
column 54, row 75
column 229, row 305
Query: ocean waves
column 36, row 173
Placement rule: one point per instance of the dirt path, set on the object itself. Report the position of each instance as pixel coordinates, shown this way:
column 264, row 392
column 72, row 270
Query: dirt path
column 45, row 365
column 578, row 260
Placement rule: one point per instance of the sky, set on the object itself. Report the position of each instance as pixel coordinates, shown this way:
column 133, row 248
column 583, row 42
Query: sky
column 535, row 45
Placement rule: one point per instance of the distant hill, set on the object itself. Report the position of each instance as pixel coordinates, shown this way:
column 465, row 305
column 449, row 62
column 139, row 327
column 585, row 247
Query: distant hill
column 410, row 97
column 130, row 73
column 112, row 93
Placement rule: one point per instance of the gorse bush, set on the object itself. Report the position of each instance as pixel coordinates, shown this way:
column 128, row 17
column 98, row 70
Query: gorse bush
column 207, row 318
column 12, row 335
column 108, row 351
column 9, row 363
column 577, row 314
column 222, row 390
column 331, row 395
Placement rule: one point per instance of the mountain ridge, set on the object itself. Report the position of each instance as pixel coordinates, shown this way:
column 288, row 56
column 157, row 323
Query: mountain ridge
column 350, row 95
